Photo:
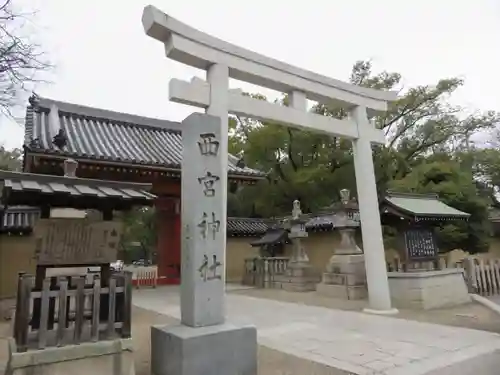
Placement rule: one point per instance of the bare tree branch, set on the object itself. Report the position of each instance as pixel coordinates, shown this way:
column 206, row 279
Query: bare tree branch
column 21, row 59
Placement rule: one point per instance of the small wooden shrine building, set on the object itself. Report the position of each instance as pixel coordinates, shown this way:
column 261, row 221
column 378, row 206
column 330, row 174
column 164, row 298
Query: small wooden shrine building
column 33, row 196
column 91, row 240
column 415, row 216
column 115, row 146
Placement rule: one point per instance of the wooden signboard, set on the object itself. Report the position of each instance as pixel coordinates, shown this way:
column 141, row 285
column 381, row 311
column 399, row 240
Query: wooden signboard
column 64, row 241
column 420, row 244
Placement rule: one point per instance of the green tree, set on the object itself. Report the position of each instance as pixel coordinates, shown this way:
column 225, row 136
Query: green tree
column 313, row 167
column 139, row 231
column 10, row 160
column 486, row 168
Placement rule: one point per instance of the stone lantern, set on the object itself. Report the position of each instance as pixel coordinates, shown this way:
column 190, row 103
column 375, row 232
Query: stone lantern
column 345, row 275
column 299, row 275
column 296, row 227
column 347, row 221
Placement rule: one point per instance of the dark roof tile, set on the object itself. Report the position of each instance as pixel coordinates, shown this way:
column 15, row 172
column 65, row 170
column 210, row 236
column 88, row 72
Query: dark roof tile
column 112, row 136
column 31, row 189
column 248, row 226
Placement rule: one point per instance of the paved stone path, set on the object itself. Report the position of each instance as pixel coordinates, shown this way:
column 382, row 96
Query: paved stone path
column 352, row 341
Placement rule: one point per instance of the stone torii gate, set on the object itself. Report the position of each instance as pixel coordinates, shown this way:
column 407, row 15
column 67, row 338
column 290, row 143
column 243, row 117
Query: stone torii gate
column 222, row 60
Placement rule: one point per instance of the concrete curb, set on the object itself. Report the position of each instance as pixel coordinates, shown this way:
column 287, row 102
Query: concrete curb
column 485, row 302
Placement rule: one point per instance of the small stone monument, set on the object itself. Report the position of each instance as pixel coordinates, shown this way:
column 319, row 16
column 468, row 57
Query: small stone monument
column 345, row 275
column 299, row 276
column 203, row 344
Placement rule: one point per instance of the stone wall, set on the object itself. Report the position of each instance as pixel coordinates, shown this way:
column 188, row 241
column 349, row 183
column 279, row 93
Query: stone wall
column 494, row 249
column 17, row 253
column 319, row 247
column 237, row 250
column 428, row 289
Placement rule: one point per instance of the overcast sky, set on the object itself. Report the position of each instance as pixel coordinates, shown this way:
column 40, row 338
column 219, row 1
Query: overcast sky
column 104, row 59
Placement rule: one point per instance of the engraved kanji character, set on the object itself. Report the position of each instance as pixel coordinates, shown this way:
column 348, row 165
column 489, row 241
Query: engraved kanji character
column 208, row 144
column 203, row 268
column 213, row 268
column 208, row 183
column 205, row 225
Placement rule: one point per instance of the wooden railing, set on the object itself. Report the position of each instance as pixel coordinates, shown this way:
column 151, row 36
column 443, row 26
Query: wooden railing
column 143, row 276
column 69, row 310
column 483, row 276
column 261, row 272
column 146, row 277
column 396, row 265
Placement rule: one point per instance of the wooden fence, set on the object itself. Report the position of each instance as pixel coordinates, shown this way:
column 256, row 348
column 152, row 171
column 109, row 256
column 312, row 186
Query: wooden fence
column 143, row 276
column 483, row 276
column 261, row 272
column 69, row 310
column 396, row 265
column 146, row 277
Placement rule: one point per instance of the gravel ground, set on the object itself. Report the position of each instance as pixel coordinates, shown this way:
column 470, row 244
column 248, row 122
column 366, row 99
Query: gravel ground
column 4, row 349
column 272, row 362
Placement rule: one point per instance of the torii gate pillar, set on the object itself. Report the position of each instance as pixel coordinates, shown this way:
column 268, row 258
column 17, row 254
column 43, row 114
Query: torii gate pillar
column 371, row 229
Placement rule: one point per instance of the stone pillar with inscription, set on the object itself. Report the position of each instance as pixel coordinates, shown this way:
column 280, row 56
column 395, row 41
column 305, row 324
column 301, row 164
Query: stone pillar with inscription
column 203, row 343
column 345, row 275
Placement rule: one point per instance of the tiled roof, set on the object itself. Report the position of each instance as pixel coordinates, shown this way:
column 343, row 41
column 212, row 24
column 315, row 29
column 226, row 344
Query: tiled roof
column 19, row 219
column 33, row 189
column 97, row 134
column 258, row 227
column 424, row 206
column 24, row 218
column 272, row 236
column 238, row 226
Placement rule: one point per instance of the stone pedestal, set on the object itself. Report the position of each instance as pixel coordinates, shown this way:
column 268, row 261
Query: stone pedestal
column 104, row 357
column 298, row 277
column 221, row 349
column 424, row 290
column 345, row 277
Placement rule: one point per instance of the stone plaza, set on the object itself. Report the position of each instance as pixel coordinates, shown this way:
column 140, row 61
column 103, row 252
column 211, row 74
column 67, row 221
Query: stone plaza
column 352, row 342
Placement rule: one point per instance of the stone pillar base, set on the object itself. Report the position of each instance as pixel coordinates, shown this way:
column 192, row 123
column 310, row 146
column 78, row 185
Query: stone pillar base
column 103, row 357
column 214, row 350
column 346, row 278
column 342, row 291
column 298, row 277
